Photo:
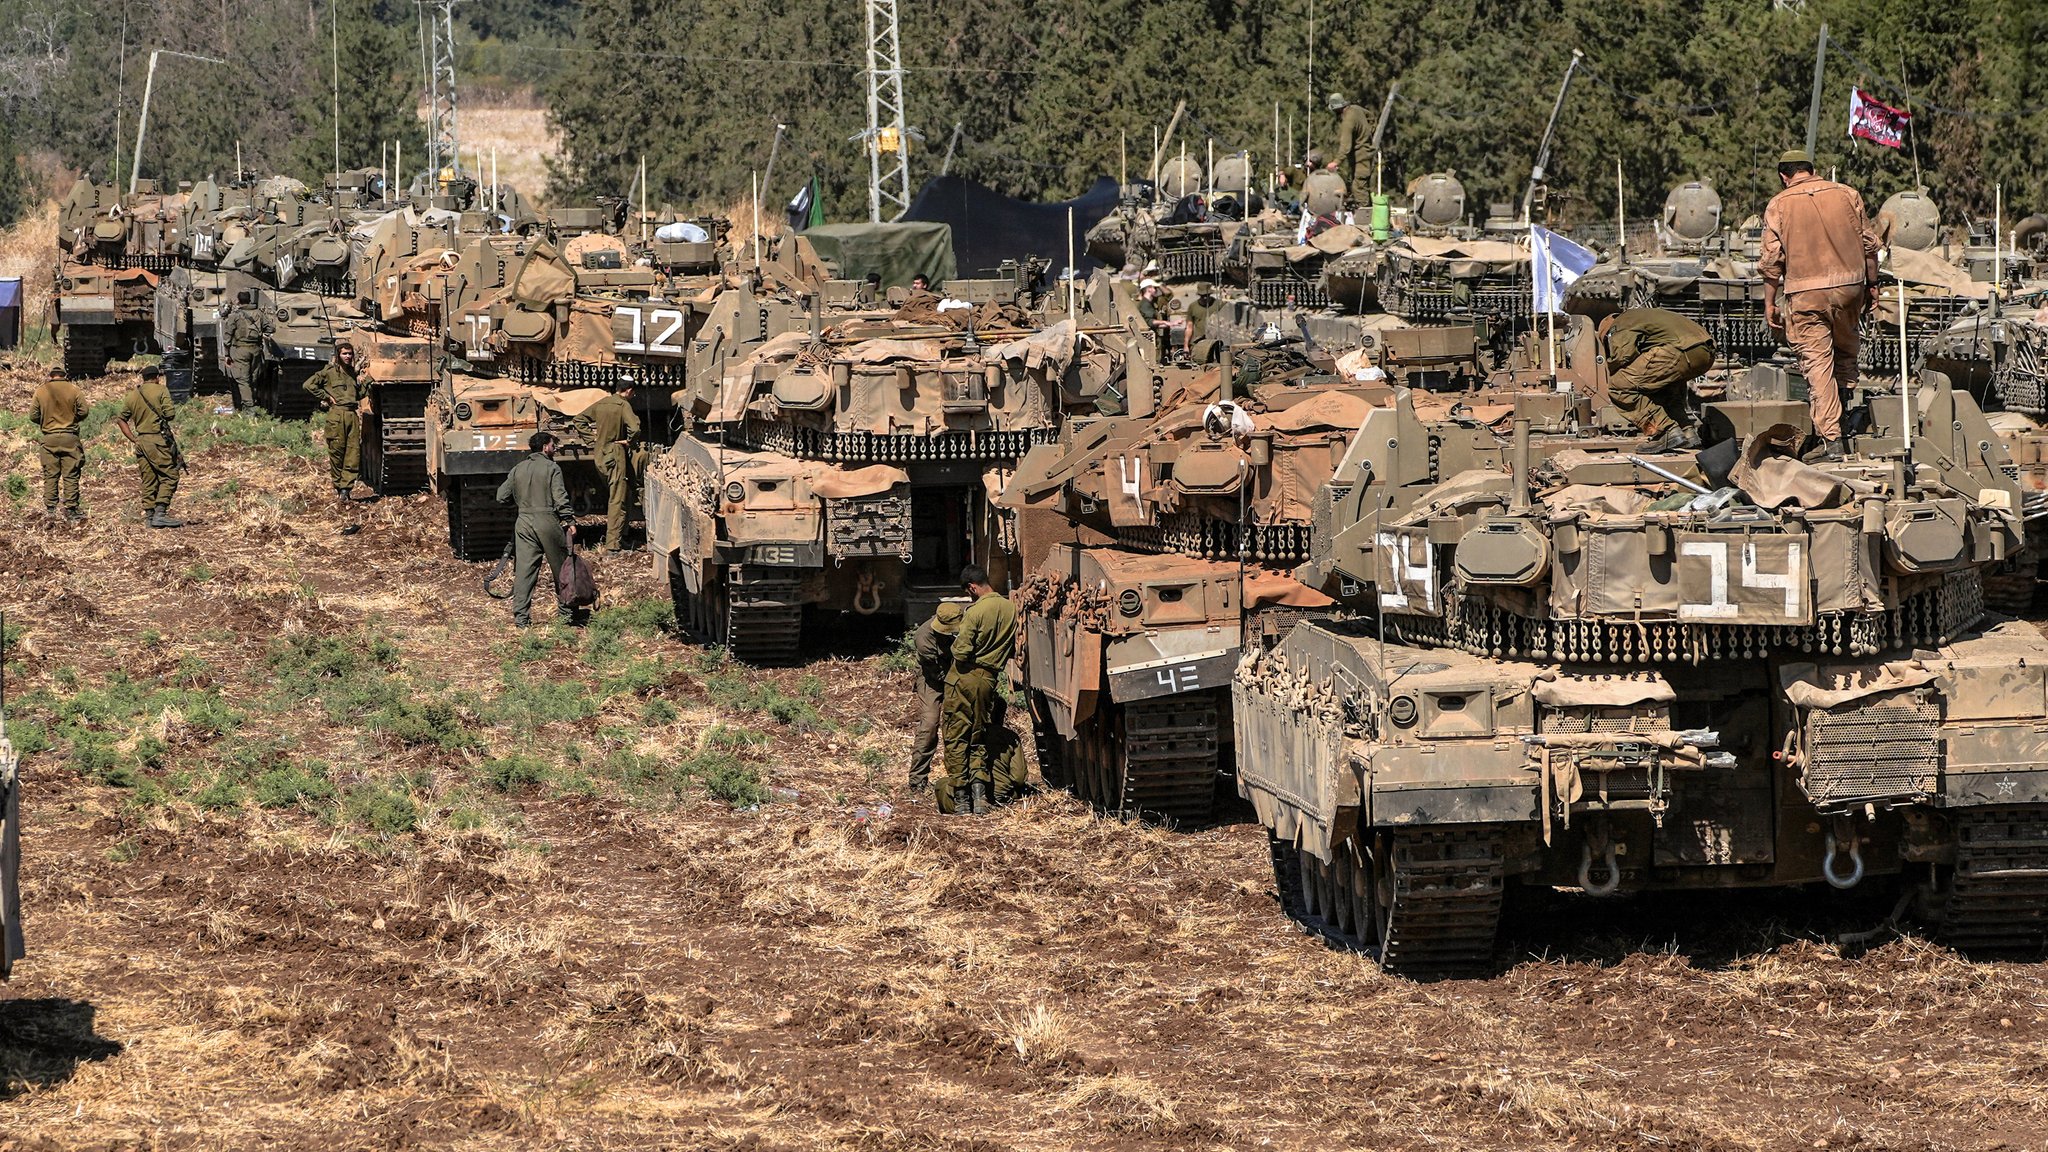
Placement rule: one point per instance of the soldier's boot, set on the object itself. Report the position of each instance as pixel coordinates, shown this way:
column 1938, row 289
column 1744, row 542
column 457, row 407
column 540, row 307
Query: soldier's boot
column 75, row 514
column 50, row 511
column 160, row 517
column 977, row 798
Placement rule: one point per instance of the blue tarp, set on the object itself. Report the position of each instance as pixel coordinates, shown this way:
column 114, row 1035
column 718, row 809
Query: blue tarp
column 10, row 293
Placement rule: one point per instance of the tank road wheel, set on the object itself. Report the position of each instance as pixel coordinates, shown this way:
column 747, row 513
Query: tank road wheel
column 1997, row 897
column 1365, row 924
column 1052, row 748
column 1438, row 893
column 1286, row 875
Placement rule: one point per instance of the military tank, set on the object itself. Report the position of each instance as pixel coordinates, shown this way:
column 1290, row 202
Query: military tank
column 839, row 451
column 1158, row 547
column 1168, row 229
column 1568, row 664
column 112, row 250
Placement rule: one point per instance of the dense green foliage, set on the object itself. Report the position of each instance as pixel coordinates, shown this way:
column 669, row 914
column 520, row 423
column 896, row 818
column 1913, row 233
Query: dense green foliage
column 1044, row 92
column 13, row 192
column 72, row 77
column 1671, row 89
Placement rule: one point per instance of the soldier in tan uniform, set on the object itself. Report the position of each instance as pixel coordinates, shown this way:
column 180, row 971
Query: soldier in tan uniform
column 145, row 419
column 341, row 395
column 57, row 408
column 1819, row 265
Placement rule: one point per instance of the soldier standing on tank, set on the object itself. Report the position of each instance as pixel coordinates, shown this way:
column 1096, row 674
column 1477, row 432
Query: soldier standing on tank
column 1354, row 141
column 932, row 644
column 342, row 396
column 58, row 407
column 981, row 653
column 145, row 419
column 614, row 426
column 1199, row 309
column 546, row 523
column 1651, row 355
column 1819, row 266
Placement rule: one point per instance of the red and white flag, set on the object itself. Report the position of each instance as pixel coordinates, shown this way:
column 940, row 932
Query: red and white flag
column 1875, row 122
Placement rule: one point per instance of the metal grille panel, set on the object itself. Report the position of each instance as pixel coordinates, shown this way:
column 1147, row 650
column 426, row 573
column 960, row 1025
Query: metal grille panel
column 1883, row 748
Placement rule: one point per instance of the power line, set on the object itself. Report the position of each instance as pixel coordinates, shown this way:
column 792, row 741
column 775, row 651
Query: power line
column 786, row 62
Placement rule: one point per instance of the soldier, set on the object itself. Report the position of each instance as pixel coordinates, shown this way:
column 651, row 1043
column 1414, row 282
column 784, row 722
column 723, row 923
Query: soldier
column 1198, row 312
column 145, row 419
column 1354, row 141
column 1651, row 354
column 981, row 652
column 546, row 524
column 343, row 397
column 932, row 645
column 1819, row 264
column 242, row 344
column 614, row 425
column 58, row 407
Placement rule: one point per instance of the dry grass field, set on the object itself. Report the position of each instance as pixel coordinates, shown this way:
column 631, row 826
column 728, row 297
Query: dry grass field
column 321, row 853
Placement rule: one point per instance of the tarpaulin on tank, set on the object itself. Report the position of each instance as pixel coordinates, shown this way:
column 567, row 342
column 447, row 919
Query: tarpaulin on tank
column 895, row 252
column 989, row 227
column 851, row 483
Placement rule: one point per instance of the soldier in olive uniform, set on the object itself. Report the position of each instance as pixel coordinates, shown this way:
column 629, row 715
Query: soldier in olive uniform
column 1198, row 312
column 932, row 644
column 1354, row 142
column 614, row 427
column 145, row 419
column 1651, row 354
column 342, row 396
column 545, row 526
column 988, row 634
column 242, row 343
column 58, row 407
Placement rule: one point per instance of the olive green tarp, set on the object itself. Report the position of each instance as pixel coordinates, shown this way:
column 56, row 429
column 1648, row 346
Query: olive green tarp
column 896, row 252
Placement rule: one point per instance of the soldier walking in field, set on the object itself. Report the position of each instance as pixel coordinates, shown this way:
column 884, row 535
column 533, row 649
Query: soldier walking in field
column 145, row 419
column 545, row 525
column 58, row 408
column 341, row 394
column 981, row 652
column 614, row 427
column 1819, row 265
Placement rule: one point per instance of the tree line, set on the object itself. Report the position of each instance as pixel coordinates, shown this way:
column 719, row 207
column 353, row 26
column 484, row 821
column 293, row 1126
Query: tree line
column 1048, row 95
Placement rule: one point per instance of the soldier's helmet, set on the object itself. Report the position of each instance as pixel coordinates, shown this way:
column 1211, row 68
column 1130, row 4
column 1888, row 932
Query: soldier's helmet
column 1337, row 101
column 1439, row 199
column 1916, row 219
column 1692, row 211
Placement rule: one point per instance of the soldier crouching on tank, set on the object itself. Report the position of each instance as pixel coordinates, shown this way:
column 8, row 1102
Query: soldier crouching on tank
column 145, row 419
column 973, row 703
column 546, row 523
column 1651, row 355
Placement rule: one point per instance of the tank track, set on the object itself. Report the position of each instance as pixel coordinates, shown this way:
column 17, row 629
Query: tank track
column 760, row 631
column 1052, row 750
column 395, row 455
column 85, row 356
column 1149, row 759
column 1997, row 899
column 1439, row 894
column 478, row 526
column 282, row 391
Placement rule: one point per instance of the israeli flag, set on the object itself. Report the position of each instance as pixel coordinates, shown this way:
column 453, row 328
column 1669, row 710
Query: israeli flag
column 1555, row 264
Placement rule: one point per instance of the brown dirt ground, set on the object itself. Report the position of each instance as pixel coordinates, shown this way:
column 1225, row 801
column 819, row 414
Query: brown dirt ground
column 588, row 971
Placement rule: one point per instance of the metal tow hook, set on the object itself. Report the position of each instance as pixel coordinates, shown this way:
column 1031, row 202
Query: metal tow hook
column 867, row 598
column 1608, row 861
column 1828, row 862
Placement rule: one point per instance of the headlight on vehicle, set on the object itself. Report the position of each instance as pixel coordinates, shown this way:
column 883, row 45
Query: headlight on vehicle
column 735, row 493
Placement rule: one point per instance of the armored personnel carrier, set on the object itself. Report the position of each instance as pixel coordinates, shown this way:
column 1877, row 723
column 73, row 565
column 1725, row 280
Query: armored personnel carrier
column 1174, row 225
column 1573, row 665
column 839, row 454
column 112, row 250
